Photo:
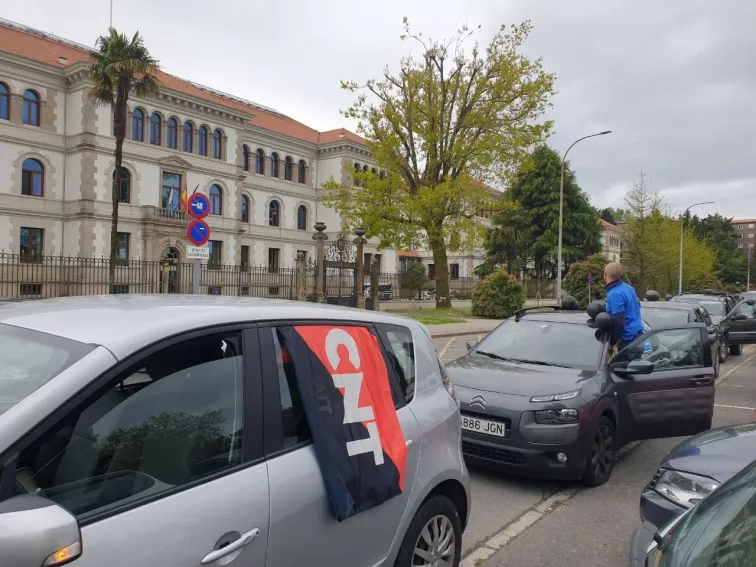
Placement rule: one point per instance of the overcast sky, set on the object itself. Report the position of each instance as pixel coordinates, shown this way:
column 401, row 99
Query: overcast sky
column 674, row 79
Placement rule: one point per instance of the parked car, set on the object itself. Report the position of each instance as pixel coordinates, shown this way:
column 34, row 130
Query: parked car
column 539, row 396
column 385, row 292
column 718, row 305
column 720, row 531
column 739, row 327
column 661, row 314
column 154, row 430
column 694, row 469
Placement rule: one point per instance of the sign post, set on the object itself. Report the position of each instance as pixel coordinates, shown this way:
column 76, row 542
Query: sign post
column 590, row 281
column 198, row 233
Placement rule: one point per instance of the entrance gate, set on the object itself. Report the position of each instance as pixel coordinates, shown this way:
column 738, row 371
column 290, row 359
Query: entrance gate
column 340, row 275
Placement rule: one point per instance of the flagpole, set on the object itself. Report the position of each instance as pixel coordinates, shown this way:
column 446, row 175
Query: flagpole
column 111, row 13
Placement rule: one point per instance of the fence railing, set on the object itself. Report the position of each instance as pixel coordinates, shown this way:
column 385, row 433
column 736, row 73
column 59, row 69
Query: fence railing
column 57, row 276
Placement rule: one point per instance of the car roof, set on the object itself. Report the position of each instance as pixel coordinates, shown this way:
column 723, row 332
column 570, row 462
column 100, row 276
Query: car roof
column 127, row 323
column 700, row 296
column 679, row 305
column 555, row 315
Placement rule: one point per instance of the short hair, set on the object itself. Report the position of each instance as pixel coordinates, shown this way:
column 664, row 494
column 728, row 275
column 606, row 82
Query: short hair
column 613, row 270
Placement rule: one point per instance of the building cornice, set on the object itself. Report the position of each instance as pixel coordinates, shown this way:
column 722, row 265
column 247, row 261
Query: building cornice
column 348, row 148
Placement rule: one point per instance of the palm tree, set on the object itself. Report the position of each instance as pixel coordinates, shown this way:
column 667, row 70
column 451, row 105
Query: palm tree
column 120, row 67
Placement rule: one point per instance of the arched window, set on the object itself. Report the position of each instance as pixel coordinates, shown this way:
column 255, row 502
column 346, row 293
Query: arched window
column 274, row 213
column 245, row 208
column 288, row 169
column 382, row 175
column 260, row 161
column 32, row 178
column 124, row 185
column 364, row 169
column 137, row 125
column 172, row 141
column 31, row 108
column 216, row 200
column 374, row 171
column 357, row 167
column 202, row 141
column 302, row 173
column 188, row 137
column 156, row 125
column 245, row 158
column 274, row 165
column 302, row 218
column 217, row 144
column 4, row 102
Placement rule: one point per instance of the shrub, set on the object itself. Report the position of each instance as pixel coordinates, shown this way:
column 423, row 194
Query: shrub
column 576, row 281
column 497, row 296
column 413, row 278
column 703, row 282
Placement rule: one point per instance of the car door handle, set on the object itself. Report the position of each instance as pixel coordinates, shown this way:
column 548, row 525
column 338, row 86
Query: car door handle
column 702, row 380
column 244, row 540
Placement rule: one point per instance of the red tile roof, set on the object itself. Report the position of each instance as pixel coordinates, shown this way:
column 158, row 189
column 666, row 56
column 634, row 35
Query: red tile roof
column 742, row 221
column 43, row 48
column 409, row 254
column 602, row 222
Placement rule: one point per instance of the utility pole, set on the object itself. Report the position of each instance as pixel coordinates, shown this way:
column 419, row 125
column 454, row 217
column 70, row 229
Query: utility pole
column 111, row 13
column 748, row 277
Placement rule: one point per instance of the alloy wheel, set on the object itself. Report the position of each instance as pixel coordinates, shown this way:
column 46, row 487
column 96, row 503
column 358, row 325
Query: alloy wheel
column 602, row 458
column 436, row 545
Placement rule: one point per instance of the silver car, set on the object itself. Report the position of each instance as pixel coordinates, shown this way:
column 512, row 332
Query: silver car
column 169, row 430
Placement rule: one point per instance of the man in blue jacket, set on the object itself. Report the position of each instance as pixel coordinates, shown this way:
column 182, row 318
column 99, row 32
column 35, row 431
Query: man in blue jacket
column 623, row 305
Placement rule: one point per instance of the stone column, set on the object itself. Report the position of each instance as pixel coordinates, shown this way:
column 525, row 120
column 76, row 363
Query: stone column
column 375, row 272
column 359, row 272
column 16, row 102
column 320, row 238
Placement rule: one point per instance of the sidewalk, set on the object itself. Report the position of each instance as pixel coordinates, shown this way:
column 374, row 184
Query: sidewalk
column 469, row 327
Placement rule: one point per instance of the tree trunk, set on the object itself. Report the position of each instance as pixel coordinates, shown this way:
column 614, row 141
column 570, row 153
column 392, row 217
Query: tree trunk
column 120, row 133
column 442, row 273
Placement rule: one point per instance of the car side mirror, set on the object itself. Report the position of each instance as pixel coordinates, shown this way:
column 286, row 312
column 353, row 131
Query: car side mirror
column 634, row 367
column 35, row 532
column 739, row 317
column 471, row 345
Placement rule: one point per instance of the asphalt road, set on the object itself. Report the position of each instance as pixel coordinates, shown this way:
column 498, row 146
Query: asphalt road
column 592, row 528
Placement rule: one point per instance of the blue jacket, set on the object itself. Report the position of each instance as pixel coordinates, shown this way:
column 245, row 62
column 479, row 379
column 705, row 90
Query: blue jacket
column 623, row 305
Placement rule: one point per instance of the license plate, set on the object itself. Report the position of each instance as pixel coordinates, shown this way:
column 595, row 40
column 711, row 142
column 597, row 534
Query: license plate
column 484, row 426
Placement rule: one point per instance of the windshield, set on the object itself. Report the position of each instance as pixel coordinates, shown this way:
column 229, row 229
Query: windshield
column 563, row 344
column 656, row 317
column 713, row 306
column 719, row 531
column 30, row 359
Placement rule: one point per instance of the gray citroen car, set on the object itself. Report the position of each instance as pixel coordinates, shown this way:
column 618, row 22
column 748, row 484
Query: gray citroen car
column 155, row 430
column 541, row 396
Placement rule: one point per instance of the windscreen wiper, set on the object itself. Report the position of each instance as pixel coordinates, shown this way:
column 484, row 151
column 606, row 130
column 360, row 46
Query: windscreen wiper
column 492, row 355
column 539, row 362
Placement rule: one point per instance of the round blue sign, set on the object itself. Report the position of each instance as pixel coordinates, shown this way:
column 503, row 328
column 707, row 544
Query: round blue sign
column 199, row 206
column 198, row 232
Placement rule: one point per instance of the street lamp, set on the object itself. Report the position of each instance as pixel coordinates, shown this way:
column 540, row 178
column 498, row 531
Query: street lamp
column 682, row 231
column 561, row 212
column 748, row 277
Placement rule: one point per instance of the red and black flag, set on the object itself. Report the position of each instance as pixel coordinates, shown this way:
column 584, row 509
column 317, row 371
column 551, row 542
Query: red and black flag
column 346, row 394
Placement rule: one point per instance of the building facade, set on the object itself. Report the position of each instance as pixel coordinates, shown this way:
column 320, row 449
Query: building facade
column 745, row 229
column 262, row 171
column 611, row 241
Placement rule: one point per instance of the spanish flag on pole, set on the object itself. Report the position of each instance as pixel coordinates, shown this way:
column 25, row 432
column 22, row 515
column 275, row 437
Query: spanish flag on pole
column 184, row 200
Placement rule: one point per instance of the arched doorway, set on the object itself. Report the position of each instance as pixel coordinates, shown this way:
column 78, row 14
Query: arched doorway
column 169, row 280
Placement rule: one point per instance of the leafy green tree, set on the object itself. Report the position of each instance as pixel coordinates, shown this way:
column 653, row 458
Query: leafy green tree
column 576, row 281
column 535, row 188
column 119, row 68
column 613, row 215
column 497, row 296
column 441, row 125
column 413, row 278
column 507, row 240
column 719, row 234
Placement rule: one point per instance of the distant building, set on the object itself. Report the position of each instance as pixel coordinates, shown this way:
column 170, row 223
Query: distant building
column 745, row 229
column 611, row 241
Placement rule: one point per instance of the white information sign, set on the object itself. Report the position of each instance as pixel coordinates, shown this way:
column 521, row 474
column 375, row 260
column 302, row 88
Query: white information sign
column 198, row 252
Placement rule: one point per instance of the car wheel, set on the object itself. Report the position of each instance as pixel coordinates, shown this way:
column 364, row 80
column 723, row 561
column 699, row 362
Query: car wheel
column 722, row 352
column 736, row 350
column 601, row 459
column 434, row 536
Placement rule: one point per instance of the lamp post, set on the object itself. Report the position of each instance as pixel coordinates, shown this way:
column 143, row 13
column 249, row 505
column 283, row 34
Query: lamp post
column 561, row 211
column 682, row 232
column 748, row 277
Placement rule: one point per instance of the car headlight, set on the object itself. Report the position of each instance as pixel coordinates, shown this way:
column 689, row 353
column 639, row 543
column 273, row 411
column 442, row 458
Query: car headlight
column 683, row 488
column 556, row 397
column 556, row 416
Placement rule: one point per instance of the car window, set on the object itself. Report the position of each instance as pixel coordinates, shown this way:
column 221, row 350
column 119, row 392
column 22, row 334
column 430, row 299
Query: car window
column 29, row 359
column 671, row 348
column 660, row 317
column 401, row 353
column 713, row 306
column 748, row 310
column 719, row 531
column 295, row 428
column 567, row 344
column 176, row 417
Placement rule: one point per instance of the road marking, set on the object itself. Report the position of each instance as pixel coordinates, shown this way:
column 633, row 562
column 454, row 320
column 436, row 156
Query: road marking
column 446, row 347
column 734, row 407
column 734, row 368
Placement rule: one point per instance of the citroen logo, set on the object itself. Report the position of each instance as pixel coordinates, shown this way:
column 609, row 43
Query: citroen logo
column 479, row 401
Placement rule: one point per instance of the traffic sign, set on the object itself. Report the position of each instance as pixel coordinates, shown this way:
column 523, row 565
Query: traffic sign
column 590, row 278
column 198, row 252
column 198, row 232
column 199, row 206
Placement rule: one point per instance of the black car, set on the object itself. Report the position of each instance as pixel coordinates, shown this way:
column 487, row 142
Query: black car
column 696, row 468
column 539, row 396
column 720, row 531
column 739, row 327
column 662, row 314
column 718, row 304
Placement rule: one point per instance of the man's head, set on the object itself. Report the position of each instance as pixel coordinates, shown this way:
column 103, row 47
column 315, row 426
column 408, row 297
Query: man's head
column 612, row 272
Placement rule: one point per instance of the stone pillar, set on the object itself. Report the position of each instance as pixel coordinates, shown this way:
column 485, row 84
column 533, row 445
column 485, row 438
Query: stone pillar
column 301, row 277
column 359, row 272
column 16, row 102
column 375, row 272
column 320, row 238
